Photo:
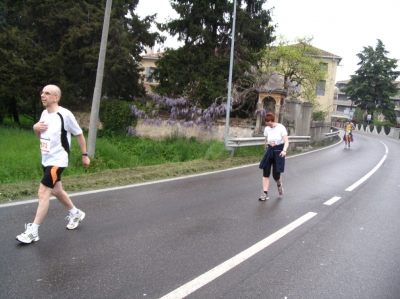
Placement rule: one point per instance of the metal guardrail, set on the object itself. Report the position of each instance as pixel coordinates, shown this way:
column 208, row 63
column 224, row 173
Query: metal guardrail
column 332, row 134
column 335, row 132
column 253, row 141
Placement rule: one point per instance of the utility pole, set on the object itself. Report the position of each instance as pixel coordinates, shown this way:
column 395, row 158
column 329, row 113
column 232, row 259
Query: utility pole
column 228, row 102
column 94, row 115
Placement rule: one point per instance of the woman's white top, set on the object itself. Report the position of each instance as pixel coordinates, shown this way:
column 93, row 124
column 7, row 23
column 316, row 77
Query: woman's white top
column 275, row 135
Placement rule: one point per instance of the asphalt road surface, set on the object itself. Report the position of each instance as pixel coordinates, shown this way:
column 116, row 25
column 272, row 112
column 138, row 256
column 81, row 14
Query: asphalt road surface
column 335, row 233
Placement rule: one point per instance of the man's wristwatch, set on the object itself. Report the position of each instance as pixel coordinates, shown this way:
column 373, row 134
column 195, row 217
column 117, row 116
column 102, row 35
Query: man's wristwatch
column 85, row 154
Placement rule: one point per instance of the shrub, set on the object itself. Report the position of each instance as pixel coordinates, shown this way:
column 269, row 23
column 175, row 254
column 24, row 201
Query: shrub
column 116, row 116
column 319, row 115
column 382, row 123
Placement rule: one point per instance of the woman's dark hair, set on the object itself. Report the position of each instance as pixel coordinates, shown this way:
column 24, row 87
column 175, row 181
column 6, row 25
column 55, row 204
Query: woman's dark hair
column 269, row 117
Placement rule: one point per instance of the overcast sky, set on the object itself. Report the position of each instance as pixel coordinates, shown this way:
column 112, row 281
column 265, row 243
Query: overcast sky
column 341, row 27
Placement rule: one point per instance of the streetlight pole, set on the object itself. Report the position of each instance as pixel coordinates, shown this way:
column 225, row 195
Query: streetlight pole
column 228, row 103
column 94, row 115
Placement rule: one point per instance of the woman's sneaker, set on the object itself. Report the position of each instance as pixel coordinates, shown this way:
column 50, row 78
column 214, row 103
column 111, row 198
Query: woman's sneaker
column 280, row 189
column 29, row 235
column 263, row 197
column 75, row 219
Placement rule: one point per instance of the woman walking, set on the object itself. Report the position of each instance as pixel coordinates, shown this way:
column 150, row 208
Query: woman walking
column 276, row 145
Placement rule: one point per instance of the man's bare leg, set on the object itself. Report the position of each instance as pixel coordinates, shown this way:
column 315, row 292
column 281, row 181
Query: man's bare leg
column 44, row 202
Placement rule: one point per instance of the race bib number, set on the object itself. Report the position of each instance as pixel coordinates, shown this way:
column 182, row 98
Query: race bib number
column 45, row 145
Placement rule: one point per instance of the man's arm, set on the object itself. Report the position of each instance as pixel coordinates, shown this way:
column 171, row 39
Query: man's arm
column 82, row 144
column 39, row 127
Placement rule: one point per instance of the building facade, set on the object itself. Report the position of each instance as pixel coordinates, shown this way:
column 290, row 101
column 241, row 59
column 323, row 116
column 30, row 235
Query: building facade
column 148, row 64
column 325, row 89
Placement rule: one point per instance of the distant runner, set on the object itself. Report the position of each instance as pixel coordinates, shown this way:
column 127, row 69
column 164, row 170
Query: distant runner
column 348, row 134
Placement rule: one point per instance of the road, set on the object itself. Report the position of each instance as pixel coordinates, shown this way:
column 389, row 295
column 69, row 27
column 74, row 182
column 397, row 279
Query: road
column 333, row 234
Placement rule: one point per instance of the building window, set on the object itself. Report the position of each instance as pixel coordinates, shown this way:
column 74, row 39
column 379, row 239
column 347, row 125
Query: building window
column 321, row 88
column 149, row 71
column 324, row 66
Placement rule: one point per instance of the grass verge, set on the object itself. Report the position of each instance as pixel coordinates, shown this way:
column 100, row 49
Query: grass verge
column 122, row 177
column 119, row 161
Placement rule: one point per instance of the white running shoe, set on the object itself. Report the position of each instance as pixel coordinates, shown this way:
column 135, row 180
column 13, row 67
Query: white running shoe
column 75, row 219
column 29, row 235
column 280, row 189
column 263, row 197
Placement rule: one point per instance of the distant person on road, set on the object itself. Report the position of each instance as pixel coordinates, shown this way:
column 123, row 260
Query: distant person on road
column 276, row 145
column 348, row 133
column 54, row 129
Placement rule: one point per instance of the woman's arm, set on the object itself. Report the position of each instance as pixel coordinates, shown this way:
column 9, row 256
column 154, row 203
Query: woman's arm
column 285, row 145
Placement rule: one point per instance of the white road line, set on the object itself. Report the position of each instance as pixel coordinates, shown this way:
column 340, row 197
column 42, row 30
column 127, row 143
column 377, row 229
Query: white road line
column 22, row 202
column 332, row 200
column 214, row 273
column 364, row 178
column 34, row 200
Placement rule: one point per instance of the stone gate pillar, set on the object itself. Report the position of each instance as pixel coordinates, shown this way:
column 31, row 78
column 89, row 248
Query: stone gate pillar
column 297, row 117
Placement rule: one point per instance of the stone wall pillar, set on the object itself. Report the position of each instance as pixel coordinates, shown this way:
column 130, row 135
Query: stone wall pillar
column 259, row 119
column 297, row 117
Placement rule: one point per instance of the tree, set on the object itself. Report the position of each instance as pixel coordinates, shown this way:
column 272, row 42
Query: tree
column 17, row 51
column 58, row 41
column 200, row 69
column 295, row 68
column 373, row 84
column 298, row 63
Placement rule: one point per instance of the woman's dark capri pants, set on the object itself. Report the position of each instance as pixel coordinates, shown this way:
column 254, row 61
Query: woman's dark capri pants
column 272, row 161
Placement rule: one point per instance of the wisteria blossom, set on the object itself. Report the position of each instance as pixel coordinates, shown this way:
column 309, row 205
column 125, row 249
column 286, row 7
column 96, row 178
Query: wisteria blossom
column 181, row 111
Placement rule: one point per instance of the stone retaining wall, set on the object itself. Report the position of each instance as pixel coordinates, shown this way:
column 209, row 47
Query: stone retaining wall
column 217, row 132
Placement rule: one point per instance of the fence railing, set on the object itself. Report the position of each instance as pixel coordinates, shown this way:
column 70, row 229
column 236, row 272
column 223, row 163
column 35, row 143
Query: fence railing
column 334, row 132
column 253, row 141
column 378, row 130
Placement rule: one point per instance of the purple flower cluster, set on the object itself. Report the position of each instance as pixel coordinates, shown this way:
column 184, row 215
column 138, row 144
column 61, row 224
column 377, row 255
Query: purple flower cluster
column 262, row 112
column 131, row 131
column 182, row 112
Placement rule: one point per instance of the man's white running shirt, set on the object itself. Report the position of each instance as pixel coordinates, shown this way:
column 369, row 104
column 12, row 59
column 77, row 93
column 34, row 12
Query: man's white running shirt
column 53, row 153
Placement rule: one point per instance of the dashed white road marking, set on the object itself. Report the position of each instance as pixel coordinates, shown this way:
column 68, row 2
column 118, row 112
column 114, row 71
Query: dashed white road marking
column 214, row 273
column 332, row 200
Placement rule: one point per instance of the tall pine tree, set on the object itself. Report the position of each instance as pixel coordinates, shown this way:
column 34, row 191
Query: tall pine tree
column 373, row 84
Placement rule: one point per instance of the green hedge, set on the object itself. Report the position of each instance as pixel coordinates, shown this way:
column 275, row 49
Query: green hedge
column 116, row 115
